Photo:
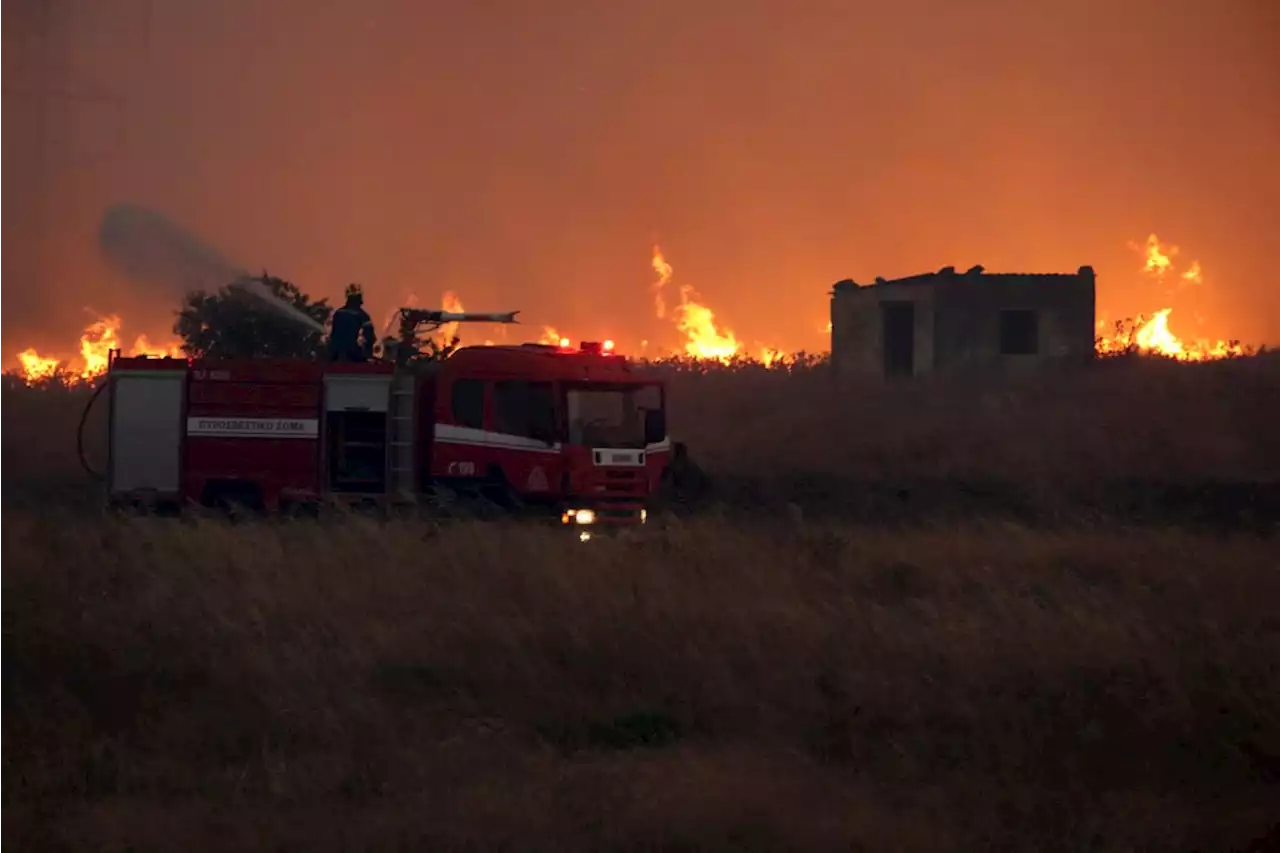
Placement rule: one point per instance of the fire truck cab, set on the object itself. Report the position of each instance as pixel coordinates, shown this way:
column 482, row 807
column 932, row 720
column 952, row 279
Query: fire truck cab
column 578, row 432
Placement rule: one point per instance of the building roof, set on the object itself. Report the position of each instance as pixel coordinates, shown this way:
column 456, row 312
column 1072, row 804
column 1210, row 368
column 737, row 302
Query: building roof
column 973, row 273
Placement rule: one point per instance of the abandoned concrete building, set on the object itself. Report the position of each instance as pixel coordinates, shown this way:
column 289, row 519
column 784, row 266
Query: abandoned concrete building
column 948, row 322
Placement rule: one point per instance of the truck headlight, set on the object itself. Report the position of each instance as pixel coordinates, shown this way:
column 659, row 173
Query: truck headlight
column 578, row 516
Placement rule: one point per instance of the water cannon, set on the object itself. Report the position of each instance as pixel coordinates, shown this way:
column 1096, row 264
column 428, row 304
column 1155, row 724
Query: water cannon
column 434, row 319
column 476, row 316
column 416, row 321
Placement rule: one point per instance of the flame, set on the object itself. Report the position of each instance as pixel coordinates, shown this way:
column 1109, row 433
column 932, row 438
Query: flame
column 96, row 342
column 664, row 271
column 1153, row 335
column 35, row 366
column 1157, row 258
column 704, row 338
column 99, row 338
column 447, row 332
column 143, row 346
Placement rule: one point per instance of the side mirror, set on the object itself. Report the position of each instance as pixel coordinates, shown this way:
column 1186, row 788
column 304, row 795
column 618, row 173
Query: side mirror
column 655, row 426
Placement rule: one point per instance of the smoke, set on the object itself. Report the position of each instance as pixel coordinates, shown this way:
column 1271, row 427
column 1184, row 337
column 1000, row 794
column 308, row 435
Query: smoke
column 150, row 248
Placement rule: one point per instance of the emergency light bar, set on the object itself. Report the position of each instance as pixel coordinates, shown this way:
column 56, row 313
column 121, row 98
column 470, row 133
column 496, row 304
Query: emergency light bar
column 588, row 347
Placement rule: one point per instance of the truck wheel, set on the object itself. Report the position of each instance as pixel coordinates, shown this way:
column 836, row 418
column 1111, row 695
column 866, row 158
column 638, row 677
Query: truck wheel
column 236, row 499
column 498, row 492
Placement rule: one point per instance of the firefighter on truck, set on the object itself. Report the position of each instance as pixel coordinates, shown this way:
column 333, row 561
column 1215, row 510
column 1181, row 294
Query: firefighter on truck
column 350, row 323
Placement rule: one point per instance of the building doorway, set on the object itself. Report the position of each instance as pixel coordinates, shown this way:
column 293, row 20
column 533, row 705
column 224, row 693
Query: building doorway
column 898, row 332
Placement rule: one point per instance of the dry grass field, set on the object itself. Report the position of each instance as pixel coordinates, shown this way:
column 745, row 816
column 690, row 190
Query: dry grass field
column 800, row 680
column 272, row 686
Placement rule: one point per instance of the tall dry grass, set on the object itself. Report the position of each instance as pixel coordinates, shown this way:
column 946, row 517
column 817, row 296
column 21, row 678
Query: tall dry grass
column 1054, row 440
column 193, row 685
column 1132, row 417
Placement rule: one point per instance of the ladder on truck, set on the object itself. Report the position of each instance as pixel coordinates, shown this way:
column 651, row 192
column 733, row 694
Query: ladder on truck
column 402, row 416
column 401, row 437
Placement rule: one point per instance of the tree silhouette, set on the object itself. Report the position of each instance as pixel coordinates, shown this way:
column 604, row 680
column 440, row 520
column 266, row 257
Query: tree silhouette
column 232, row 324
column 424, row 349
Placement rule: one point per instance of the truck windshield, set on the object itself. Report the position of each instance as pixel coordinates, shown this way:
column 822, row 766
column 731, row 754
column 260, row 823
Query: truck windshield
column 610, row 416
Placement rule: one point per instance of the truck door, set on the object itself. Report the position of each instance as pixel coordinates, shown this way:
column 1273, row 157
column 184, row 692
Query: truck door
column 526, row 436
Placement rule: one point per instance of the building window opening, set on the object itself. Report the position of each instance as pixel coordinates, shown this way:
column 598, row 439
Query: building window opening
column 1019, row 332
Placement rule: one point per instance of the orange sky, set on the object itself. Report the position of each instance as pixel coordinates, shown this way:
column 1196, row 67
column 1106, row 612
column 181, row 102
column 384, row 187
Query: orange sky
column 529, row 155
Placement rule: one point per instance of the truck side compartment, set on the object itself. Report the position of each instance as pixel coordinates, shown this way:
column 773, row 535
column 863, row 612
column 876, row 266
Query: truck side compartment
column 252, row 437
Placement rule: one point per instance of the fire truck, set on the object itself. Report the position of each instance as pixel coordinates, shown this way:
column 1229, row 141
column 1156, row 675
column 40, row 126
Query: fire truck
column 577, row 433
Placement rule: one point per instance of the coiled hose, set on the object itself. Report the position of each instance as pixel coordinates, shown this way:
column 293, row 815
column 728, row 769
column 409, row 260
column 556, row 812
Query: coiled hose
column 84, row 419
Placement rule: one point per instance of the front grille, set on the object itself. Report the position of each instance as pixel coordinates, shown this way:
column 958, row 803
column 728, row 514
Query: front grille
column 620, row 484
column 619, row 509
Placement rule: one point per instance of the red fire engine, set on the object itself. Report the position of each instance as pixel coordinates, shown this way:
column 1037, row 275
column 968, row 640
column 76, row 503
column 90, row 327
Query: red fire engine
column 576, row 431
